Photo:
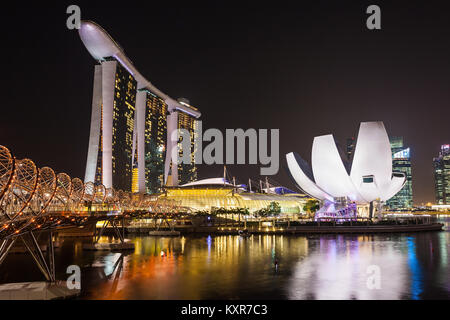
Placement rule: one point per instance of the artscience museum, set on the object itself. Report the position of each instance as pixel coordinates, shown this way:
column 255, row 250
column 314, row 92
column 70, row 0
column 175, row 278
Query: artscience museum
column 358, row 187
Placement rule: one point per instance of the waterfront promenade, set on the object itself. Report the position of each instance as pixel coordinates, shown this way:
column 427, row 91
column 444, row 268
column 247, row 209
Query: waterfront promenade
column 413, row 223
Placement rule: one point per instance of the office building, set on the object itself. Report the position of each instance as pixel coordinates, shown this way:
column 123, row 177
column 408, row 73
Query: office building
column 442, row 175
column 401, row 162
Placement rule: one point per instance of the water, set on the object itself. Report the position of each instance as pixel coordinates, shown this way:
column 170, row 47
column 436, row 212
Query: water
column 412, row 266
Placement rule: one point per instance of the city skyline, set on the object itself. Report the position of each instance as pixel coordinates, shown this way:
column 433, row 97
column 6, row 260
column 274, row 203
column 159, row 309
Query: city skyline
column 221, row 158
column 266, row 76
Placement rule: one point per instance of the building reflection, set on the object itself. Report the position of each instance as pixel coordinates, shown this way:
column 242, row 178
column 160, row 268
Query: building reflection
column 223, row 264
column 309, row 267
column 337, row 269
column 415, row 269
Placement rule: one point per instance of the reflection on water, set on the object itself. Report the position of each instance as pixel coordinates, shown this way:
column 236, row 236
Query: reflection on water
column 413, row 266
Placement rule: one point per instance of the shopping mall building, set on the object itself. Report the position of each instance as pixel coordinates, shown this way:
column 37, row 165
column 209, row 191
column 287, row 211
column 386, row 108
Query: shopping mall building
column 210, row 194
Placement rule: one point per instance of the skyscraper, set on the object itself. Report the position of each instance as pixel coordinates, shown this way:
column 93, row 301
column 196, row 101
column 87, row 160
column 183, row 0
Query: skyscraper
column 155, row 142
column 442, row 175
column 129, row 123
column 187, row 172
column 350, row 148
column 112, row 126
column 401, row 161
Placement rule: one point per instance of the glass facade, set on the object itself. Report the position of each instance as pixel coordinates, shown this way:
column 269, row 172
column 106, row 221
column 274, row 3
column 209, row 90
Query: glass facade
column 125, row 173
column 122, row 131
column 155, row 142
column 401, row 162
column 187, row 172
column 442, row 175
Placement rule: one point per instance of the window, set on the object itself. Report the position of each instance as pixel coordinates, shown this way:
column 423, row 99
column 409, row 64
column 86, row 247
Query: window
column 368, row 179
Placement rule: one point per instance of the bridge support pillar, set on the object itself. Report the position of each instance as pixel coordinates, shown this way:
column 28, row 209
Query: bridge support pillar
column 5, row 246
column 123, row 244
column 30, row 242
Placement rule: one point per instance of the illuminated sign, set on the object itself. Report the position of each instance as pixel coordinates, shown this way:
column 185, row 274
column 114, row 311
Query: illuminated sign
column 403, row 154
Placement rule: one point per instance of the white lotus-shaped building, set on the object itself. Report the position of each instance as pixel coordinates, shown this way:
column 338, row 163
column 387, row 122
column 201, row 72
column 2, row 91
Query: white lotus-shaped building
column 367, row 178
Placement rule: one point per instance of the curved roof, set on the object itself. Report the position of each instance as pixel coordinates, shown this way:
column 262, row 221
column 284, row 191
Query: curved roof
column 372, row 157
column 329, row 170
column 299, row 172
column 209, row 182
column 101, row 46
column 371, row 175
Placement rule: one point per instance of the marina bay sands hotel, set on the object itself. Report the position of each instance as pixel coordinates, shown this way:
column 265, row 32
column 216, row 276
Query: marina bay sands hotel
column 132, row 123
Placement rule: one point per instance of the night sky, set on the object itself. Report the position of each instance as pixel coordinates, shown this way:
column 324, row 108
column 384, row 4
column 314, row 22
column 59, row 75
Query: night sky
column 309, row 69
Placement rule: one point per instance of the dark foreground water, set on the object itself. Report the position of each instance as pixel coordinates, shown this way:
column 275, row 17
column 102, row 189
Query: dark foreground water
column 411, row 266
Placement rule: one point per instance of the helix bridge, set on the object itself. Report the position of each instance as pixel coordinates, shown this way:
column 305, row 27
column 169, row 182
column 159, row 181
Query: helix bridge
column 35, row 201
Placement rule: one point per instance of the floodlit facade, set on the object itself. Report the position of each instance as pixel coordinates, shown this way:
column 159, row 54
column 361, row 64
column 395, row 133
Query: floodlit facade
column 333, row 180
column 132, row 121
column 442, row 175
column 210, row 194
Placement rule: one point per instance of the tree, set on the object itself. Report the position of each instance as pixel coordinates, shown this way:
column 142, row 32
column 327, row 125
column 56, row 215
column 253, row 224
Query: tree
column 311, row 206
column 223, row 211
column 274, row 209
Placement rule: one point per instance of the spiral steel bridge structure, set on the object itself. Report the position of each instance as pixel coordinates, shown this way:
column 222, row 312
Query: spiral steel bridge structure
column 33, row 200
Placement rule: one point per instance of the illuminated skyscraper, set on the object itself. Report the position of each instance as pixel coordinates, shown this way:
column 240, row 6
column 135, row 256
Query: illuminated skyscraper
column 442, row 175
column 129, row 124
column 112, row 125
column 187, row 172
column 401, row 161
column 155, row 142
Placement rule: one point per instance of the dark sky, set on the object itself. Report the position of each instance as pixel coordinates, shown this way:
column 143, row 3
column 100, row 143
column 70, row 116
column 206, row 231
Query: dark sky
column 308, row 69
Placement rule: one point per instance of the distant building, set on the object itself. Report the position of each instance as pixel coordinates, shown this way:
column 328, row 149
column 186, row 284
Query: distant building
column 131, row 123
column 350, row 148
column 401, row 162
column 442, row 175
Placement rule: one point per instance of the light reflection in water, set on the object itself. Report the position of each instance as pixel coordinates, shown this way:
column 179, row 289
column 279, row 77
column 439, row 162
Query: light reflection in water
column 338, row 270
column 416, row 272
column 314, row 267
column 231, row 267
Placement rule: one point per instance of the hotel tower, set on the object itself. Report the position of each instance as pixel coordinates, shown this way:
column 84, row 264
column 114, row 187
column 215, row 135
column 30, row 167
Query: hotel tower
column 132, row 123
